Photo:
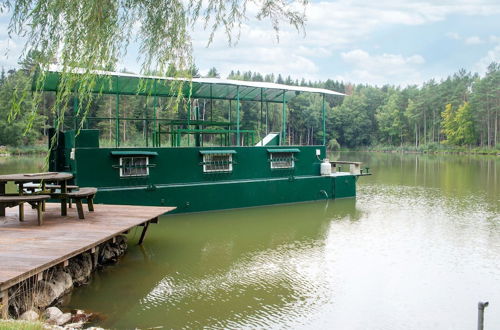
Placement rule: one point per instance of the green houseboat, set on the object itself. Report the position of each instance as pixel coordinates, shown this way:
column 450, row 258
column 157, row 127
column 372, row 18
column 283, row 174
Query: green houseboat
column 194, row 162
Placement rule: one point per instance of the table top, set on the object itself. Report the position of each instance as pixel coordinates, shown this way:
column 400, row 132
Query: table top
column 36, row 177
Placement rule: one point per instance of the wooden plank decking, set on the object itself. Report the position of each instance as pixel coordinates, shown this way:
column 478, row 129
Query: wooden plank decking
column 27, row 249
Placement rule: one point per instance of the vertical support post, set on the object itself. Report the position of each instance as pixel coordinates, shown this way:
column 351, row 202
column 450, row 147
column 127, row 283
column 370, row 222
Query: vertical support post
column 2, row 192
column 146, row 123
column 75, row 112
column 4, row 298
column 143, row 234
column 211, row 105
column 238, row 143
column 267, row 118
column 21, row 205
column 480, row 314
column 283, row 134
column 261, row 110
column 197, row 118
column 155, row 131
column 117, row 114
column 64, row 201
column 189, row 114
column 323, row 112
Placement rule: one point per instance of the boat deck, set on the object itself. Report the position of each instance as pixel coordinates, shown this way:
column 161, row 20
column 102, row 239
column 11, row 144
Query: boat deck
column 27, row 249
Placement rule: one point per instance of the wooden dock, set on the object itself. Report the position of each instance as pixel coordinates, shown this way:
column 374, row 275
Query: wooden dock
column 27, row 249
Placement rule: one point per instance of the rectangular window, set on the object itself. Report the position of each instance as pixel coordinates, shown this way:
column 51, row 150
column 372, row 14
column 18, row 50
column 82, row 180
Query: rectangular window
column 282, row 160
column 217, row 163
column 134, row 166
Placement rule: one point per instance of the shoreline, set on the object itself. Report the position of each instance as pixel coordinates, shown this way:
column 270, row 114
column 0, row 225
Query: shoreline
column 38, row 301
column 480, row 152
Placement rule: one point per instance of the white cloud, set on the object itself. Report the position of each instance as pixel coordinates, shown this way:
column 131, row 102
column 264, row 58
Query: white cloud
column 9, row 53
column 474, row 40
column 493, row 55
column 382, row 69
column 453, row 35
column 331, row 28
column 494, row 39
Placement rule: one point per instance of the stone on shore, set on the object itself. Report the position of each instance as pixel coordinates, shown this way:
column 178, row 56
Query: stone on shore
column 51, row 314
column 63, row 319
column 29, row 315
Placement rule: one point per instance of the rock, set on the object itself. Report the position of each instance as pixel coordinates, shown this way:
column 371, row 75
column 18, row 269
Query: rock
column 121, row 243
column 80, row 268
column 110, row 252
column 29, row 315
column 74, row 326
column 63, row 319
column 57, row 283
column 43, row 294
column 51, row 314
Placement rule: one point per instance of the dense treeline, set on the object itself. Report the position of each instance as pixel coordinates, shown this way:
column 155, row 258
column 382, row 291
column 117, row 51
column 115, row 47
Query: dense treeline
column 461, row 110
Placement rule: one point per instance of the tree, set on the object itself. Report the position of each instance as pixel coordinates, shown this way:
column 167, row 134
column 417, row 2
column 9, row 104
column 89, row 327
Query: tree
column 13, row 123
column 213, row 73
column 458, row 125
column 93, row 34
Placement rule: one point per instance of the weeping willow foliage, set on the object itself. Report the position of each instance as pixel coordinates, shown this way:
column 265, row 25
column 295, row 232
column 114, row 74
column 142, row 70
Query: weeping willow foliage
column 95, row 35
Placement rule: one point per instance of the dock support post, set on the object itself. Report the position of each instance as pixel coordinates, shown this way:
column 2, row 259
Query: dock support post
column 4, row 304
column 143, row 234
column 480, row 314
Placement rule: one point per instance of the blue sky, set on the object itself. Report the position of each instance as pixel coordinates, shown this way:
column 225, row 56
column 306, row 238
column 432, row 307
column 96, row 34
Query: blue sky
column 360, row 41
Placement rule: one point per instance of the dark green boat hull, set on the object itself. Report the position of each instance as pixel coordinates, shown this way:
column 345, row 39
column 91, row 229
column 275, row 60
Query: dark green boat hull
column 176, row 176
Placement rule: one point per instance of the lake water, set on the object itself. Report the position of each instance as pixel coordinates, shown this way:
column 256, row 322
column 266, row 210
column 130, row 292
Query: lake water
column 417, row 249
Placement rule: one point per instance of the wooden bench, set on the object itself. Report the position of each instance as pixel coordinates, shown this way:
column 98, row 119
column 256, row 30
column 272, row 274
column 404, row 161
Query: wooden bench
column 354, row 167
column 18, row 200
column 31, row 187
column 83, row 193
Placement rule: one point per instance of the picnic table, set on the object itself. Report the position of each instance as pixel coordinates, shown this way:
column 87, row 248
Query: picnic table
column 60, row 178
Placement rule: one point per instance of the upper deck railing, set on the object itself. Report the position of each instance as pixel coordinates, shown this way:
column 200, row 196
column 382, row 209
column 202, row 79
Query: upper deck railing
column 178, row 132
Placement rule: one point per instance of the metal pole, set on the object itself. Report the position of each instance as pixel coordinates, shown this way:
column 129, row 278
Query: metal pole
column 211, row 105
column 238, row 115
column 75, row 112
column 324, row 121
column 117, row 120
column 261, row 111
column 155, row 131
column 284, row 118
column 267, row 118
column 480, row 314
column 189, row 115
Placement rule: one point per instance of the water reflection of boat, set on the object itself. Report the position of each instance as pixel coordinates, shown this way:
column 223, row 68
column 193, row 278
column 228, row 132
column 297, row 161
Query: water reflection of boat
column 191, row 162
column 245, row 261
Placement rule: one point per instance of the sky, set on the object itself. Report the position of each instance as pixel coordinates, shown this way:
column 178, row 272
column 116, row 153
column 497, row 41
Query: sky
column 394, row 42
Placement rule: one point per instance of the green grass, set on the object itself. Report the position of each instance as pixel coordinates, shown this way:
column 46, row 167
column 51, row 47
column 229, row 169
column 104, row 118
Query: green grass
column 21, row 325
column 24, row 150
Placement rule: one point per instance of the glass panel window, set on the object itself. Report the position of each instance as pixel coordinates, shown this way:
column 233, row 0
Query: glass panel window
column 134, row 166
column 282, row 160
column 217, row 163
